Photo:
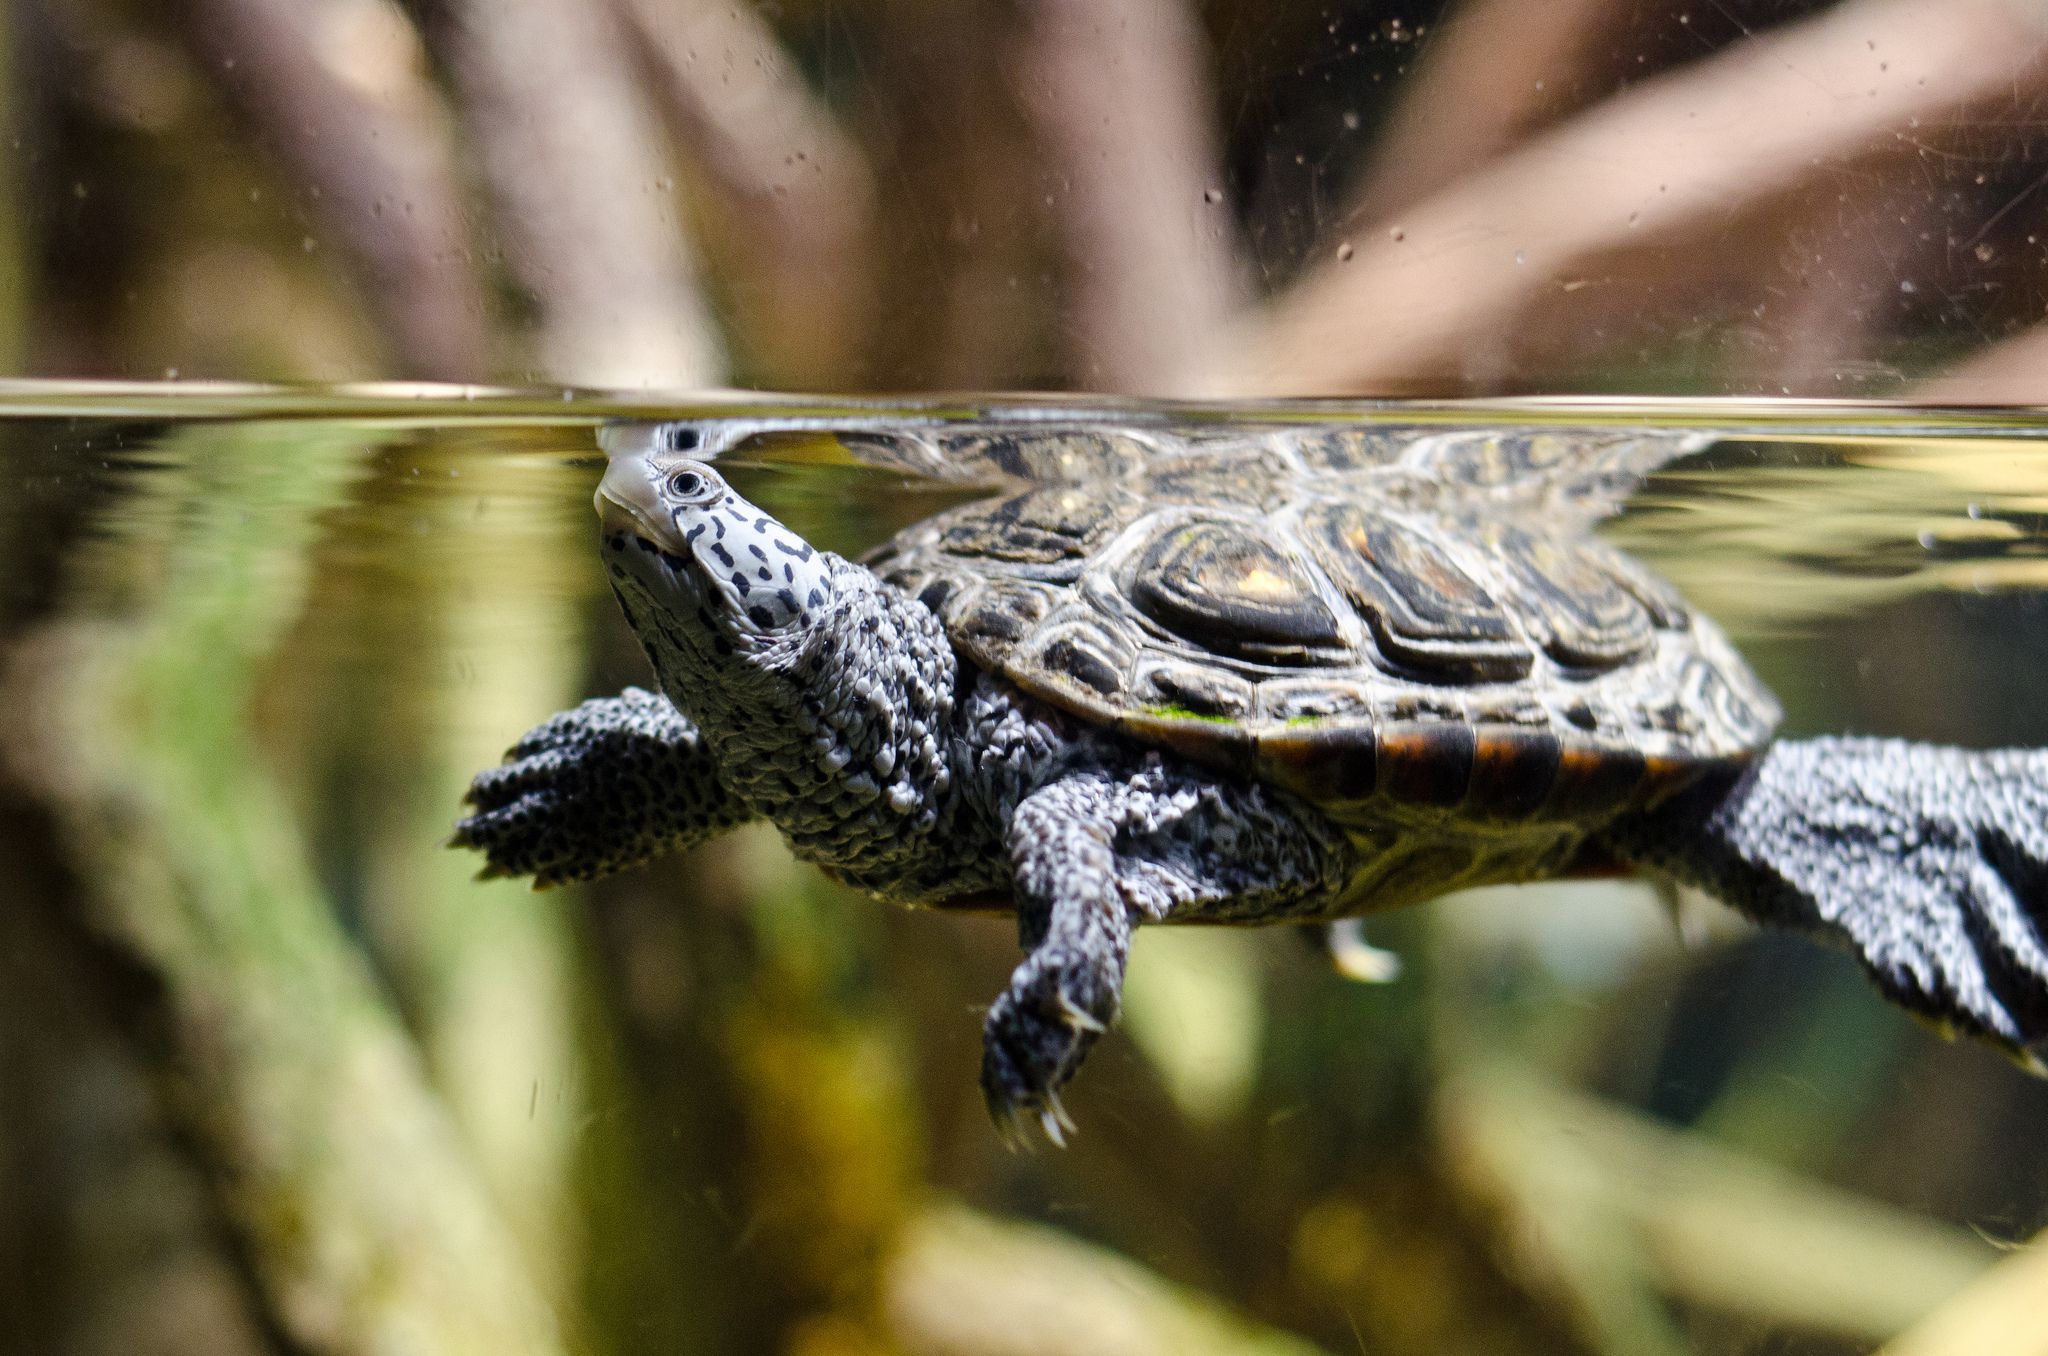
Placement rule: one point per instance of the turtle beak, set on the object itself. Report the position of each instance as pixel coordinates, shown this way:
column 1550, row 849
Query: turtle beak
column 629, row 499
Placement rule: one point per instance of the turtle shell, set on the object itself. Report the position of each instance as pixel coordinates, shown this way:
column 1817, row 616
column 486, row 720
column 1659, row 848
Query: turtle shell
column 1371, row 617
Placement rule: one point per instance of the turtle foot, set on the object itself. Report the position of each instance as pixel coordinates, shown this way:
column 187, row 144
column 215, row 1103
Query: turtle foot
column 594, row 790
column 1036, row 1035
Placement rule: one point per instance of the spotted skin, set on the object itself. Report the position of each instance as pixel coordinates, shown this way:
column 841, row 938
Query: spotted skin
column 1010, row 707
column 1928, row 864
column 612, row 783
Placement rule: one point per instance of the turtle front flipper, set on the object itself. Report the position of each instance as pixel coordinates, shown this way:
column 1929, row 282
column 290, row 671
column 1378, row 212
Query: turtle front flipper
column 1930, row 863
column 1098, row 852
column 593, row 790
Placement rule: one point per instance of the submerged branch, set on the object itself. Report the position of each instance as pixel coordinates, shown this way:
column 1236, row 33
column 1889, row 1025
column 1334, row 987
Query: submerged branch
column 967, row 1285
column 1608, row 1210
column 2001, row 1312
column 362, row 1221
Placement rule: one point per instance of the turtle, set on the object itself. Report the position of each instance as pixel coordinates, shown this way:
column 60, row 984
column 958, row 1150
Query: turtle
column 1230, row 672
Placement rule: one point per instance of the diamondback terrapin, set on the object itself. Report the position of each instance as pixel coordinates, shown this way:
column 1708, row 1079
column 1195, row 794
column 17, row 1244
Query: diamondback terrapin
column 1291, row 673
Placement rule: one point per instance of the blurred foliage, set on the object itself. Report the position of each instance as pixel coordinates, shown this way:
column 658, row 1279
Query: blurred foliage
column 719, row 1104
column 275, row 1076
column 1412, row 198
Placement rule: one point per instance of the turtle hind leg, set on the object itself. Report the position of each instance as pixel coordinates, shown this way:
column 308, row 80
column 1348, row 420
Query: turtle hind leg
column 1075, row 926
column 1929, row 863
column 1096, row 853
column 593, row 790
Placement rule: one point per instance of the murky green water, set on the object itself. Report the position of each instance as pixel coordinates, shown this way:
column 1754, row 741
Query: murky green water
column 252, row 1015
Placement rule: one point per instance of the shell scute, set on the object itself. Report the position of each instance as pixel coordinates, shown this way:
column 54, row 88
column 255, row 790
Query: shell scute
column 1053, row 526
column 1427, row 764
column 1202, row 692
column 1428, row 613
column 1576, row 602
column 1224, row 587
column 994, row 615
column 1513, row 771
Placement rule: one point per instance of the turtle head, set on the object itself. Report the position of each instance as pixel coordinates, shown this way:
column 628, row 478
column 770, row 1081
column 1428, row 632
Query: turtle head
column 697, row 565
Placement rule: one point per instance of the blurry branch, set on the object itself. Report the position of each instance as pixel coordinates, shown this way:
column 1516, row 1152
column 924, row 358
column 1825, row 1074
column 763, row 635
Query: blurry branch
column 482, row 972
column 1118, row 91
column 964, row 248
column 111, row 1242
column 335, row 91
column 1494, row 71
column 333, row 1167
column 1606, row 1210
column 14, row 245
column 2002, row 1312
column 1877, row 226
column 581, row 188
column 794, row 187
column 2014, row 372
column 1507, row 251
column 967, row 1285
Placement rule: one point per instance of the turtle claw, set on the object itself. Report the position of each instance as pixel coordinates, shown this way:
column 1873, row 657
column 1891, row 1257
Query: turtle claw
column 1080, row 1019
column 1009, row 1124
column 1013, row 1125
column 1035, row 1037
column 1055, row 1121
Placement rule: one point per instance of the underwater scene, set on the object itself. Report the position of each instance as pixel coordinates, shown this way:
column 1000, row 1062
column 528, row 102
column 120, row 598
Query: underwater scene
column 277, row 1072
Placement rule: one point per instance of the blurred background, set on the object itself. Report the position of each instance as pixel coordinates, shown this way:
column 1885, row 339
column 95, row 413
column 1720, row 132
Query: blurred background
column 1756, row 196
column 277, row 1077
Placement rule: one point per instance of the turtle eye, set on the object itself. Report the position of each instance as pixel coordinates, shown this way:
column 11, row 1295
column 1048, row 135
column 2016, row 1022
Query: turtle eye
column 691, row 486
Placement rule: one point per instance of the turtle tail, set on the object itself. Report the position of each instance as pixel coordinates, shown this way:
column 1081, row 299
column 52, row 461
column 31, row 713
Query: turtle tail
column 1929, row 863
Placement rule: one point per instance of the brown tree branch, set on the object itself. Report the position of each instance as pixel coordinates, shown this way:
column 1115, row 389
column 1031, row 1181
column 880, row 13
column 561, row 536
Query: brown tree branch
column 1495, row 71
column 1119, row 95
column 2014, row 372
column 573, row 165
column 1633, row 184
column 793, row 193
column 359, row 133
column 963, row 250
